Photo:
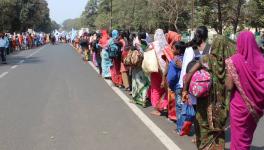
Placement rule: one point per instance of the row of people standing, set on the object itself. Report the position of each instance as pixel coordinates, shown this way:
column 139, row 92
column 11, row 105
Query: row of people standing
column 12, row 43
column 197, row 77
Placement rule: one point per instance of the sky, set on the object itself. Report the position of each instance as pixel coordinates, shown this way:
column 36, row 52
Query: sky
column 61, row 10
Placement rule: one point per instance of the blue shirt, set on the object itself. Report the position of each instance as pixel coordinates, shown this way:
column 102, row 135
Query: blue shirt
column 7, row 42
column 174, row 74
column 2, row 42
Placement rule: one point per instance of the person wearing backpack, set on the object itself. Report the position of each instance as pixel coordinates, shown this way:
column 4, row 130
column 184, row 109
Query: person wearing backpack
column 114, row 52
column 140, row 81
column 212, row 100
column 196, row 48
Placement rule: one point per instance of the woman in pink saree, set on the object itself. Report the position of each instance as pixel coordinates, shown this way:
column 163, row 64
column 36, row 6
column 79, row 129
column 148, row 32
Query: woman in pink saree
column 246, row 78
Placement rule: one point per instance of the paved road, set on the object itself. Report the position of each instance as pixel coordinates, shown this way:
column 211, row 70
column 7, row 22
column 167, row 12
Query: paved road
column 52, row 101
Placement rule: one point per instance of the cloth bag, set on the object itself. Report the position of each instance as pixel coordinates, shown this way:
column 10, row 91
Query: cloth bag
column 200, row 83
column 133, row 58
column 188, row 113
column 150, row 62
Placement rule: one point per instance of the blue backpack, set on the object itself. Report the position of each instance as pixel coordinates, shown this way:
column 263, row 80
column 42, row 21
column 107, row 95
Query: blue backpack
column 114, row 50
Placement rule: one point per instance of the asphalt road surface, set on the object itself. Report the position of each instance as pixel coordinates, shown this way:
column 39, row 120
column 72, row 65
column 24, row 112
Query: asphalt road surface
column 51, row 100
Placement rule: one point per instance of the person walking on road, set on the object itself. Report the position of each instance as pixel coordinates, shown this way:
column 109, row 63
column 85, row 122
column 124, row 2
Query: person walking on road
column 2, row 48
column 246, row 80
column 158, row 93
column 212, row 109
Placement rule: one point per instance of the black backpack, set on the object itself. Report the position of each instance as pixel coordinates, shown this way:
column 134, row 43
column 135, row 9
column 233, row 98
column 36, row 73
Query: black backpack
column 197, row 56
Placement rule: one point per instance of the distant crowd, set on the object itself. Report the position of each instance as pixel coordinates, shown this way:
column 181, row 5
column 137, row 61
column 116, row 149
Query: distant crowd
column 10, row 43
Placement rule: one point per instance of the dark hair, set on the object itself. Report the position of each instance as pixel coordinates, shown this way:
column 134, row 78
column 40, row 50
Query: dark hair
column 123, row 34
column 201, row 35
column 180, row 46
column 133, row 35
column 262, row 50
column 142, row 35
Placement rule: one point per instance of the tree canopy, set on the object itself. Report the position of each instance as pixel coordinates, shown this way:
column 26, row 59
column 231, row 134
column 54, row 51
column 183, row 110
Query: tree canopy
column 19, row 15
column 147, row 15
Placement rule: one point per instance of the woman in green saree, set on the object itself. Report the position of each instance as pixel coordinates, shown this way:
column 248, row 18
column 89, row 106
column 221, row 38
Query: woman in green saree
column 140, row 82
column 212, row 111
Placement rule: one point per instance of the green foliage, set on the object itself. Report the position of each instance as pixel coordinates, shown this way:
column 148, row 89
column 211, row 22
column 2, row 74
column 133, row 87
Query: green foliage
column 72, row 23
column 143, row 15
column 255, row 15
column 148, row 15
column 19, row 15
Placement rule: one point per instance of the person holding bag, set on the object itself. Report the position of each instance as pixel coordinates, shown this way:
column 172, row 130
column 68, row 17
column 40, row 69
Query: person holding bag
column 157, row 94
column 140, row 81
column 212, row 110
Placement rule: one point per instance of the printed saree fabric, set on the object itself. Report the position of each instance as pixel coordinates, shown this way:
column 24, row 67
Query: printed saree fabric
column 247, row 104
column 212, row 111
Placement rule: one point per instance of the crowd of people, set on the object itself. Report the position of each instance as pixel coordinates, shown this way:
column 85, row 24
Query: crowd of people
column 196, row 84
column 10, row 43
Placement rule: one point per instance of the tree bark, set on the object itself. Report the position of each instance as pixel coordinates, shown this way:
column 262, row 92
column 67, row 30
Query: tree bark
column 237, row 16
column 220, row 21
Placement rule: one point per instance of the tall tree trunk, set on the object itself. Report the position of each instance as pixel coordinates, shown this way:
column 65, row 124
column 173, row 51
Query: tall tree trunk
column 237, row 16
column 220, row 21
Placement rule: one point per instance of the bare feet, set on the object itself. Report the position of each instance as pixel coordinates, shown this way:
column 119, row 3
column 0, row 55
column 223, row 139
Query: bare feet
column 194, row 140
column 155, row 113
column 132, row 101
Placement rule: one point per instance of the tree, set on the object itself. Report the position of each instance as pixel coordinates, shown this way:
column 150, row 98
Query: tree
column 72, row 23
column 236, row 13
column 255, row 14
column 55, row 25
column 147, row 15
column 19, row 15
column 172, row 11
column 90, row 13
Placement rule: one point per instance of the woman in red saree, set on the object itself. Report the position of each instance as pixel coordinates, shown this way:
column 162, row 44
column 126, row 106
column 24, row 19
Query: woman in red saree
column 246, row 79
column 116, row 62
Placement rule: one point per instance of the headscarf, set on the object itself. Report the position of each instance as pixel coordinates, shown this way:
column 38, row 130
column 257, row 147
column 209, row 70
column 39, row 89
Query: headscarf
column 172, row 37
column 115, row 34
column 159, row 44
column 104, row 39
column 249, row 65
column 148, row 39
column 222, row 48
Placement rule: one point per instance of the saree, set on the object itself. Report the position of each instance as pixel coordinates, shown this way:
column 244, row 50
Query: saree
column 140, row 86
column 157, row 94
column 247, row 103
column 140, row 83
column 124, row 69
column 106, row 62
column 212, row 111
column 116, row 64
